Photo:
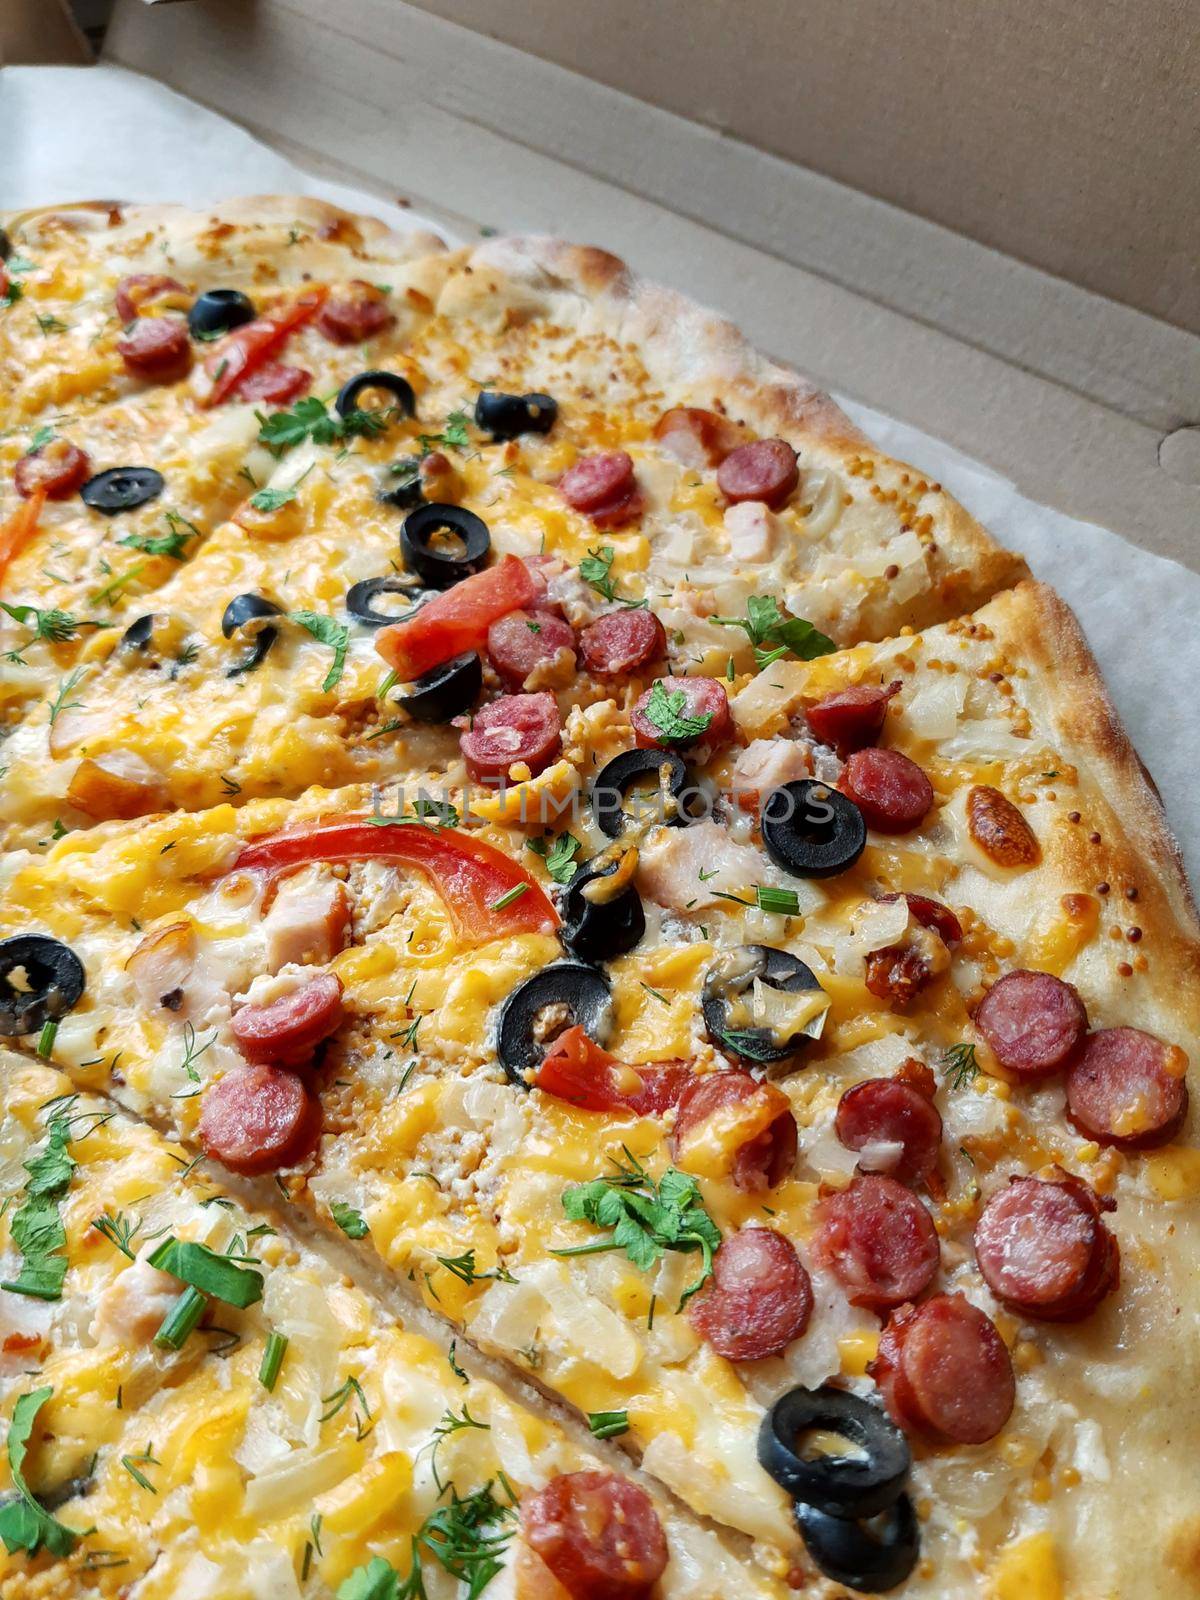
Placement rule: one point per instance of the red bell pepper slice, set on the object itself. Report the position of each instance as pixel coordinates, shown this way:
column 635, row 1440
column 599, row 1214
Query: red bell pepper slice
column 473, row 878
column 20, row 528
column 457, row 620
column 576, row 1069
column 246, row 348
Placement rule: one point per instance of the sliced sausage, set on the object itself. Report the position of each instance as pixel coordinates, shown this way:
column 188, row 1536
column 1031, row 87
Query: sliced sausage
column 999, row 829
column 696, row 437
column 944, row 1371
column 732, row 1124
column 891, row 791
column 141, row 289
column 524, row 640
column 599, row 1535
column 622, row 642
column 764, row 470
column 259, row 1118
column 759, row 1299
column 156, row 349
column 1128, row 1089
column 604, row 488
column 275, row 383
column 1032, row 1022
column 851, row 719
column 932, row 914
column 890, row 1112
column 898, row 973
column 702, row 697
column 357, row 313
column 288, row 1030
column 1044, row 1249
column 517, row 727
column 58, row 468
column 879, row 1240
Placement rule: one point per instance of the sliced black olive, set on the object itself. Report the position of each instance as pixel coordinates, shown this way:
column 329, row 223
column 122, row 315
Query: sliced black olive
column 600, row 929
column 41, row 980
column 871, row 1557
column 445, row 690
column 122, row 489
column 360, row 595
column 618, row 776
column 733, row 976
column 811, row 830
column 217, row 310
column 138, row 634
column 442, row 561
column 247, row 615
column 392, row 383
column 572, row 994
column 505, row 416
column 842, row 1486
column 401, row 484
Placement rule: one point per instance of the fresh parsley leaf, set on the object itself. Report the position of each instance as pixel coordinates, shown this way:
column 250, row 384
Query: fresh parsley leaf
column 48, row 323
column 272, row 499
column 376, row 1581
column 773, row 633
column 335, row 634
column 173, row 543
column 24, row 1525
column 667, row 710
column 464, row 1267
column 41, row 437
column 454, row 435
column 960, row 1065
column 352, row 1223
column 596, row 569
column 311, row 418
column 559, row 855
column 36, row 1227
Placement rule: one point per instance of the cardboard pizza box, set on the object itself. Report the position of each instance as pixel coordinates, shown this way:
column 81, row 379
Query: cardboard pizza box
column 984, row 221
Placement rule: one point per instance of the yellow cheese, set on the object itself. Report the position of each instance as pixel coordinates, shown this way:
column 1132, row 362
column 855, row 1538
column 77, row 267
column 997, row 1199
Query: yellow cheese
column 857, row 1349
column 1027, row 1570
column 1174, row 1174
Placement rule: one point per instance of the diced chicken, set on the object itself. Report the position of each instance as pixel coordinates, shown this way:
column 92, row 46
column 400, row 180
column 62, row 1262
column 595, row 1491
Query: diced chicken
column 752, row 530
column 131, row 1310
column 116, row 784
column 683, row 868
column 766, row 763
column 162, row 964
column 308, row 920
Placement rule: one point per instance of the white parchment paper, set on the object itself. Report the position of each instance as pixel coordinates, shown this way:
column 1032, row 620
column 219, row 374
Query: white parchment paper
column 102, row 132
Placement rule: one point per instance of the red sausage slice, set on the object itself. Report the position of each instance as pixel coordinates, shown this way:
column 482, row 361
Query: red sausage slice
column 764, row 470
column 891, row 791
column 139, row 289
column 346, row 318
column 879, row 1240
column 932, row 914
column 57, row 469
column 259, row 1118
column 702, row 697
column 1032, row 1022
column 287, row 1031
column 852, row 718
column 621, row 642
column 275, row 383
column 696, row 437
column 517, row 727
column 1128, row 1089
column 596, row 482
column 733, row 1105
column 599, row 1535
column 576, row 1069
column 889, row 1111
column 1044, row 1250
column 759, row 1299
column 157, row 349
column 943, row 1370
column 525, row 640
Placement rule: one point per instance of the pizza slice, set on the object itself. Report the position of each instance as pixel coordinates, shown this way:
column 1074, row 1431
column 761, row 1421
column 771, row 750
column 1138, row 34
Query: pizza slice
column 818, row 1124
column 195, row 1403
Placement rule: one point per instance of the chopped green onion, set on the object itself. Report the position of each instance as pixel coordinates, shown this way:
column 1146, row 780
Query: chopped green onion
column 506, row 899
column 272, row 1360
column 782, row 900
column 204, row 1269
column 608, row 1424
column 181, row 1320
column 46, row 1039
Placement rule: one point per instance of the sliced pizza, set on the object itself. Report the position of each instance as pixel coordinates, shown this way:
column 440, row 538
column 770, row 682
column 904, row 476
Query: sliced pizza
column 790, row 1089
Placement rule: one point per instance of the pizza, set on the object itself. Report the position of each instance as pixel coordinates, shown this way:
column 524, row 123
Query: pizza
column 613, row 868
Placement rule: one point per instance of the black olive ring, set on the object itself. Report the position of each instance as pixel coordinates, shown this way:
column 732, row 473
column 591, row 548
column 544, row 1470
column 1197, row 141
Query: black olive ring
column 778, row 969
column 140, row 633
column 618, row 776
column 54, row 981
column 869, row 1559
column 239, row 614
column 841, row 1486
column 122, row 489
column 599, row 930
column 216, row 311
column 582, row 991
column 445, row 690
column 506, row 416
column 360, row 595
column 408, row 490
column 812, row 830
column 441, row 568
column 391, row 382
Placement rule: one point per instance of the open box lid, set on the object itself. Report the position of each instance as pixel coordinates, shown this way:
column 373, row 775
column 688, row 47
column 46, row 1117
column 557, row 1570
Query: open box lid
column 976, row 223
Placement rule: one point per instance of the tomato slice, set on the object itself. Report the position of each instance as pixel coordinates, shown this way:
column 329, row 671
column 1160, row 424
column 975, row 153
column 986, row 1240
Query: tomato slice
column 20, row 528
column 473, row 878
column 457, row 620
column 247, row 348
column 576, row 1069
